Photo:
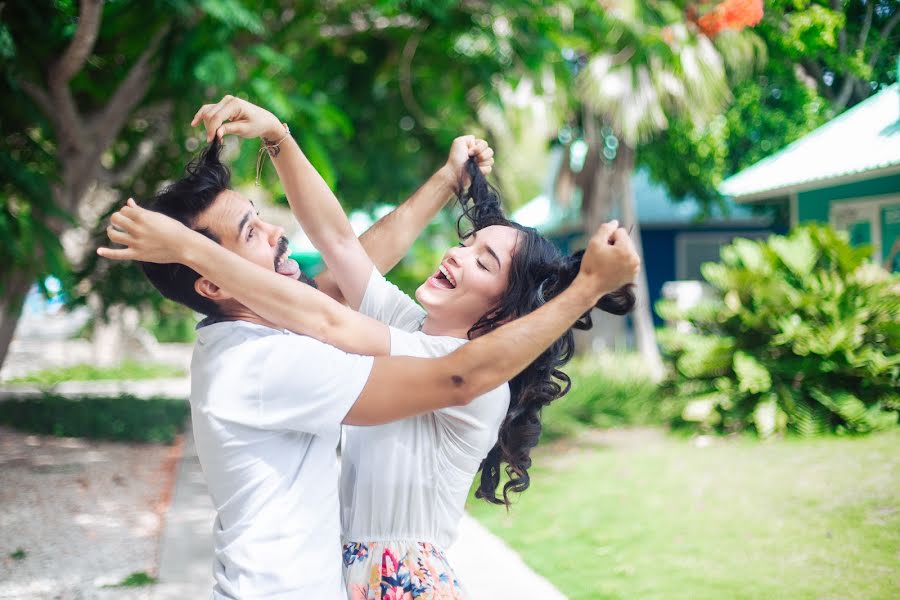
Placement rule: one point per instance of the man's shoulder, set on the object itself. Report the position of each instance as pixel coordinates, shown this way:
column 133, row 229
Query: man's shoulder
column 223, row 336
column 252, row 338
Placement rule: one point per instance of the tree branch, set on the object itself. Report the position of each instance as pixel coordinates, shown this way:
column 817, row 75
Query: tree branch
column 883, row 36
column 107, row 124
column 40, row 97
column 811, row 71
column 145, row 148
column 853, row 84
column 847, row 89
column 867, row 25
column 65, row 113
column 73, row 59
column 406, row 88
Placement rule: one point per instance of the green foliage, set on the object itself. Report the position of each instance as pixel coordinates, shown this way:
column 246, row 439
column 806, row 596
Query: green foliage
column 607, row 391
column 171, row 322
column 796, row 89
column 803, row 336
column 126, row 370
column 19, row 554
column 364, row 87
column 136, row 579
column 124, row 418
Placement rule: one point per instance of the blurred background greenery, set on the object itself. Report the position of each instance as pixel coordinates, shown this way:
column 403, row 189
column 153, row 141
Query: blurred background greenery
column 375, row 91
column 797, row 335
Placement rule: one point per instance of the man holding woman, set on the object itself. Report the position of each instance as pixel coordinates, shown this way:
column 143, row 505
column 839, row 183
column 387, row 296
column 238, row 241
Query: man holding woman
column 267, row 404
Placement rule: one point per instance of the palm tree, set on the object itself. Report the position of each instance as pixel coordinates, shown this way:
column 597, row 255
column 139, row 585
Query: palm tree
column 661, row 62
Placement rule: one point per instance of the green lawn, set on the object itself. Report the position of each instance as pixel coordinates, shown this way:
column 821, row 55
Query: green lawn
column 125, row 370
column 640, row 515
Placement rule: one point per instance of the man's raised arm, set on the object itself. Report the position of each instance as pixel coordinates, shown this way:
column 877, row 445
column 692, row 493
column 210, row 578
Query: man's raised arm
column 349, row 260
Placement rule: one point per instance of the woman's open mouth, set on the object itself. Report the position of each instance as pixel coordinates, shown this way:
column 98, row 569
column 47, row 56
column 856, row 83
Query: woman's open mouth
column 443, row 279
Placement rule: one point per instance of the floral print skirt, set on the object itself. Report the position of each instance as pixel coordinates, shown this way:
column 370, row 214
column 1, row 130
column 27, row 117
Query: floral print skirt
column 399, row 570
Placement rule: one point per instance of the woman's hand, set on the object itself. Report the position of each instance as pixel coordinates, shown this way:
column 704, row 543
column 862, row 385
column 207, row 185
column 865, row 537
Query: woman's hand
column 461, row 149
column 610, row 260
column 149, row 236
column 242, row 118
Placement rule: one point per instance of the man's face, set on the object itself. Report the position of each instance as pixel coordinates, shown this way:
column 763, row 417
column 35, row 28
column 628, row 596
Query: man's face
column 234, row 220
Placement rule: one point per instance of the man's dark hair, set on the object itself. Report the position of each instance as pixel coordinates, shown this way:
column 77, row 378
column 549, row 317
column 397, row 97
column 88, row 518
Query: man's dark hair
column 205, row 178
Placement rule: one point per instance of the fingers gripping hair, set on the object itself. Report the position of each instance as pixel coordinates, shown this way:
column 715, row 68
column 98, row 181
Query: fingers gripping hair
column 480, row 203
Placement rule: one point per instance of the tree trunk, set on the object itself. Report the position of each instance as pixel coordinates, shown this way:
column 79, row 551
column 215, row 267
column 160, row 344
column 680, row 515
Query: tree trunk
column 81, row 141
column 642, row 316
column 14, row 290
column 598, row 205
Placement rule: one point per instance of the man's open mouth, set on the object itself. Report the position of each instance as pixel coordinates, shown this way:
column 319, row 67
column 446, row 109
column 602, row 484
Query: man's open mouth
column 287, row 266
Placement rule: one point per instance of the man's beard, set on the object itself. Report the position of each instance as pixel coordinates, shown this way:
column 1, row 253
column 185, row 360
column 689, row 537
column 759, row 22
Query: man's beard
column 304, row 278
column 281, row 252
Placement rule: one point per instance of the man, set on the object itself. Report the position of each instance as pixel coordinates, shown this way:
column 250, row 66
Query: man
column 267, row 405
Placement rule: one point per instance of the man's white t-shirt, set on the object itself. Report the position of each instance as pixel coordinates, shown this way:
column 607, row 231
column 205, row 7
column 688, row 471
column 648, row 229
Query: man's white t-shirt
column 267, row 407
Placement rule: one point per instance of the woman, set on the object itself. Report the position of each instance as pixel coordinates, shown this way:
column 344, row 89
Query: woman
column 404, row 484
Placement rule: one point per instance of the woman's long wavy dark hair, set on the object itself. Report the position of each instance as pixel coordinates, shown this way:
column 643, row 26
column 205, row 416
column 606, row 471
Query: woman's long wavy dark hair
column 538, row 272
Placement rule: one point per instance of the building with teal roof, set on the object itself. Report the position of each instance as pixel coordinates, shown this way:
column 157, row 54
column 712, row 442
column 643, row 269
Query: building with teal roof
column 676, row 235
column 845, row 173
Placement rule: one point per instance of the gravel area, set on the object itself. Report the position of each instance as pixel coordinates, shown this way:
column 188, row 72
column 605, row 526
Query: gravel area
column 84, row 513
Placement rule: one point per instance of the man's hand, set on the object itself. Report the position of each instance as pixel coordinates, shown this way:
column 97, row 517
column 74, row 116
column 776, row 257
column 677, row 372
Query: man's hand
column 149, row 236
column 610, row 260
column 460, row 150
column 233, row 115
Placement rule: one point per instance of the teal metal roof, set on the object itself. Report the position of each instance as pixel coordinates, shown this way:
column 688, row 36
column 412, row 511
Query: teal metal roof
column 654, row 208
column 862, row 140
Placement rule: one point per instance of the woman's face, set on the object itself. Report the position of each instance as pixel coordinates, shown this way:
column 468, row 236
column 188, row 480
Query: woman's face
column 470, row 279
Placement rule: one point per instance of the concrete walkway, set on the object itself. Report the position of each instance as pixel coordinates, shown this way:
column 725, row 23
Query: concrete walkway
column 170, row 388
column 489, row 569
column 185, row 555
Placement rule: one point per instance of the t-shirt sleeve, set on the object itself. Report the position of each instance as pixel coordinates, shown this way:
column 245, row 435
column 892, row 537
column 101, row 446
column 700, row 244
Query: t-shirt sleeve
column 385, row 302
column 306, row 385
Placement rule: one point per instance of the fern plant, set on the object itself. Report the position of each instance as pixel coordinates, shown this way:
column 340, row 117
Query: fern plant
column 803, row 334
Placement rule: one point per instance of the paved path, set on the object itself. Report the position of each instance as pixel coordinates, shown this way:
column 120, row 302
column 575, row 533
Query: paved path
column 185, row 555
column 489, row 568
column 170, row 388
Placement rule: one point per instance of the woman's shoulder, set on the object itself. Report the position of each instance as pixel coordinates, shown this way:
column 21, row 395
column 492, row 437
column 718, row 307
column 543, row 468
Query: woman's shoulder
column 416, row 343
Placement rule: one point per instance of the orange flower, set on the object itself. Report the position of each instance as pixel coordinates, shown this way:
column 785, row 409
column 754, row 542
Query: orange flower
column 729, row 14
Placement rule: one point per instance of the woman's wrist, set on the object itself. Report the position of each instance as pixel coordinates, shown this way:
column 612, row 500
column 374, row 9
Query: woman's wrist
column 588, row 291
column 448, row 176
column 193, row 249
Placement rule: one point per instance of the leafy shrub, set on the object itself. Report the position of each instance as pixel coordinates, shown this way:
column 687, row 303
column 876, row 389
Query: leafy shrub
column 608, row 390
column 170, row 322
column 803, row 336
column 114, row 418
